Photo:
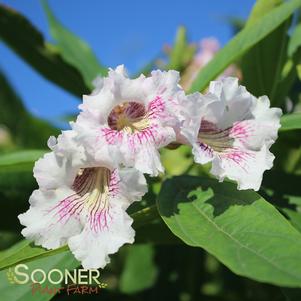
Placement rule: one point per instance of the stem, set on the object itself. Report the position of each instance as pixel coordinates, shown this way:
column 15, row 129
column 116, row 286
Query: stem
column 145, row 216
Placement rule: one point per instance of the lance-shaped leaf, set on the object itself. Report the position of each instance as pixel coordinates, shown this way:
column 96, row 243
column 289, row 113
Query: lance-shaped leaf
column 74, row 50
column 28, row 251
column 26, row 129
column 290, row 122
column 181, row 53
column 242, row 42
column 16, row 185
column 240, row 228
column 23, row 38
column 263, row 64
column 13, row 291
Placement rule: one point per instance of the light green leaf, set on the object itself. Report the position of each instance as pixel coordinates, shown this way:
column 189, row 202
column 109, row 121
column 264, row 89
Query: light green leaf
column 19, row 157
column 23, row 38
column 26, row 251
column 242, row 42
column 74, row 50
column 181, row 52
column 139, row 272
column 237, row 227
column 22, row 292
column 176, row 161
column 290, row 122
column 260, row 8
column 295, row 40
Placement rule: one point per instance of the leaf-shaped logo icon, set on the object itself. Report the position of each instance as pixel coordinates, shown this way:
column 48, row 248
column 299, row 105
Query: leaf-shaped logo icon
column 10, row 276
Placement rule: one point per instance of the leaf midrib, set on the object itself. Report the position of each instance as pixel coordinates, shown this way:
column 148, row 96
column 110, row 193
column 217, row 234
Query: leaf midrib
column 231, row 238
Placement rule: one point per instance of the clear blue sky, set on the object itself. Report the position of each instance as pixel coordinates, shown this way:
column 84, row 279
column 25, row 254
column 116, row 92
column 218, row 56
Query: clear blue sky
column 129, row 32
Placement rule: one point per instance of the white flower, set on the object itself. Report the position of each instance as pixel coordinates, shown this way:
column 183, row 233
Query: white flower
column 133, row 117
column 234, row 131
column 81, row 202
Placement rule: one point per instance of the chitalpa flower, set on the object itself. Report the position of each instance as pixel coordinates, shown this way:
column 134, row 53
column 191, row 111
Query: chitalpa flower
column 81, row 202
column 132, row 117
column 95, row 171
column 234, row 130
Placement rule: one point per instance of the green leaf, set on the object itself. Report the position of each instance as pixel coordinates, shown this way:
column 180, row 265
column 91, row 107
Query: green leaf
column 294, row 217
column 19, row 157
column 261, row 8
column 295, row 40
column 28, row 251
column 242, row 42
column 16, row 185
column 15, row 166
column 181, row 52
column 23, row 38
column 176, row 161
column 239, row 228
column 262, row 65
column 74, row 50
column 139, row 272
column 22, row 292
column 290, row 122
column 8, row 238
column 29, row 131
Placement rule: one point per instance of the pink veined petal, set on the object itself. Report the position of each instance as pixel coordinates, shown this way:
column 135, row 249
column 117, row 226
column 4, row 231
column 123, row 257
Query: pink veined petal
column 92, row 207
column 93, row 248
column 133, row 118
column 236, row 132
column 40, row 225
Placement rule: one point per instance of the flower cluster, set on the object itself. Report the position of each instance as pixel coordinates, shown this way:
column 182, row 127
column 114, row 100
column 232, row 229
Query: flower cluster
column 95, row 171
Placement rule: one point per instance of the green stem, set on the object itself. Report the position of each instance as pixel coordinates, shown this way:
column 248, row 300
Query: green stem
column 145, row 216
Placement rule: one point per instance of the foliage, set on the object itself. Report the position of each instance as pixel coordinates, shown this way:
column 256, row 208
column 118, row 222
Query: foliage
column 196, row 239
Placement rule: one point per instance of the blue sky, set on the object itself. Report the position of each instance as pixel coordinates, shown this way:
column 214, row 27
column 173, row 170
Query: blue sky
column 130, row 32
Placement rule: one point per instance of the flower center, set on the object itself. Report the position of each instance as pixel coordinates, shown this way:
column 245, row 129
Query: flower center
column 92, row 187
column 217, row 139
column 130, row 117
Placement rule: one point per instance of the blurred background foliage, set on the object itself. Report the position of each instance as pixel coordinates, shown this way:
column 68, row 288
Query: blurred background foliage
column 265, row 54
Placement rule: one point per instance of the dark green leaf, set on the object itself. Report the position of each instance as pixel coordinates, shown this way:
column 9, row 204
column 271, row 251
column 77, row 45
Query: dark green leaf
column 28, row 131
column 23, row 38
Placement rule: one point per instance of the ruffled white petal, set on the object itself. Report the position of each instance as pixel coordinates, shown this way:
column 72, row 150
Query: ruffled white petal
column 52, row 171
column 83, row 205
column 247, row 170
column 92, row 249
column 133, row 144
column 236, row 131
column 42, row 223
column 189, row 109
column 132, row 184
